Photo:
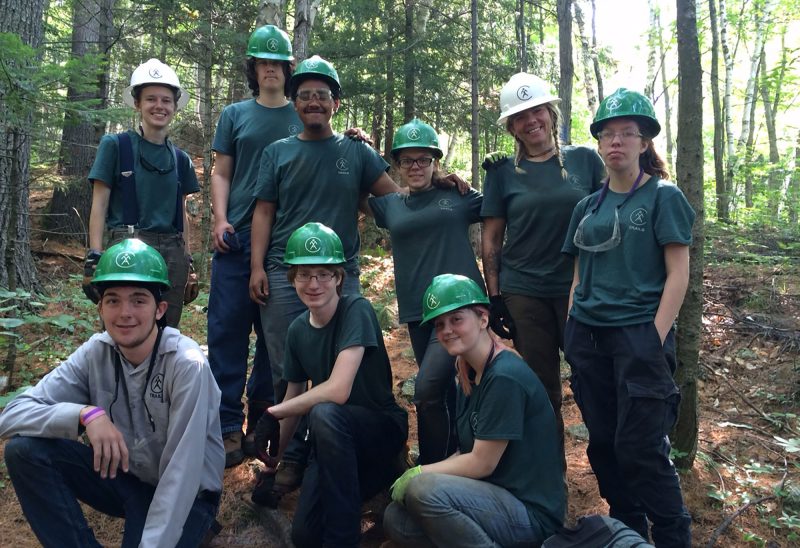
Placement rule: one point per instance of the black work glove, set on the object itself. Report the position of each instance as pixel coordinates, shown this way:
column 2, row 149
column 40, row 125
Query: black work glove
column 268, row 438
column 192, row 288
column 500, row 319
column 493, row 160
column 89, row 266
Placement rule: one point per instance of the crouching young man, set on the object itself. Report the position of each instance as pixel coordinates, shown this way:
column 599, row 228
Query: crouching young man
column 357, row 428
column 145, row 398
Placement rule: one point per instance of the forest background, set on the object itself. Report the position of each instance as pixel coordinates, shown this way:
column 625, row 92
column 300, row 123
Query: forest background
column 723, row 75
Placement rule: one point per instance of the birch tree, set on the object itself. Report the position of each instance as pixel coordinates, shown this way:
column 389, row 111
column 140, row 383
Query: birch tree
column 723, row 213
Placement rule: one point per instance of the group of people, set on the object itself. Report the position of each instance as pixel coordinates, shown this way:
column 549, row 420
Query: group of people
column 583, row 251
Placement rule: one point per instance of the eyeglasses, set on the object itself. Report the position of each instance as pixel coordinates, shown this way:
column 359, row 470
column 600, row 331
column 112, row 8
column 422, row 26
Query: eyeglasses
column 319, row 94
column 608, row 136
column 322, row 277
column 150, row 167
column 423, row 162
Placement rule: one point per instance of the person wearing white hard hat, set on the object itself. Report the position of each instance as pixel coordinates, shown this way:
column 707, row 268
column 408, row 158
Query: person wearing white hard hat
column 140, row 182
column 526, row 209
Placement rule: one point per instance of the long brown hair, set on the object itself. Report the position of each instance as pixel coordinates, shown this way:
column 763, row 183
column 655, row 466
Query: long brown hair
column 650, row 161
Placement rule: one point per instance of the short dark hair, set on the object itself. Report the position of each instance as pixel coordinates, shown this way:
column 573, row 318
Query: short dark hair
column 252, row 79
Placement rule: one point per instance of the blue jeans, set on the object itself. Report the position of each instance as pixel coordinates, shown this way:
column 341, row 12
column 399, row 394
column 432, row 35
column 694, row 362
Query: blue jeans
column 231, row 318
column 434, row 395
column 622, row 382
column 445, row 510
column 50, row 476
column 352, row 451
column 283, row 306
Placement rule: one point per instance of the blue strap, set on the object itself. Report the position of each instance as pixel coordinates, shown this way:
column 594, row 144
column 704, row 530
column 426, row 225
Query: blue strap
column 127, row 179
column 181, row 173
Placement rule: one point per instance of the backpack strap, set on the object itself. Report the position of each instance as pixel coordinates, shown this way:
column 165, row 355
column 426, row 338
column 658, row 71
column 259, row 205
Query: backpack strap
column 127, row 179
column 180, row 173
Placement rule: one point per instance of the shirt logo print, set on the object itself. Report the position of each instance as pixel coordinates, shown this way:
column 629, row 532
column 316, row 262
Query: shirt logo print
column 342, row 165
column 294, row 129
column 272, row 44
column 157, row 387
column 445, row 203
column 524, row 93
column 126, row 259
column 413, row 134
column 639, row 216
column 313, row 245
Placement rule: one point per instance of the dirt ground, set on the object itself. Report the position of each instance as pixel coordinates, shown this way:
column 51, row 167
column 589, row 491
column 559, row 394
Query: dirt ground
column 744, row 480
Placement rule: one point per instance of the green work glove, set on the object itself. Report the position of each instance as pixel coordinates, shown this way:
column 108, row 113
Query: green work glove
column 493, row 160
column 401, row 484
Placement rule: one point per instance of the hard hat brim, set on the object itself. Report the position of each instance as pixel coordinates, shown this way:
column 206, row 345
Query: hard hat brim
column 275, row 56
column 525, row 106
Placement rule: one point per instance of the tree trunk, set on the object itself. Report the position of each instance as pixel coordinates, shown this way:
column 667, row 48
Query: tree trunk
column 70, row 204
column 598, row 75
column 749, row 150
column 304, row 14
column 723, row 213
column 650, row 85
column 793, row 191
column 23, row 18
column 727, row 59
column 665, row 86
column 389, row 105
column 586, row 61
column 564, row 14
column 775, row 171
column 409, row 106
column 474, row 91
column 522, row 37
column 271, row 12
column 690, row 178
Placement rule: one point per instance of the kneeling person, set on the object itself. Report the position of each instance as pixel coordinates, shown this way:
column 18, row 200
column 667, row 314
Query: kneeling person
column 356, row 426
column 146, row 399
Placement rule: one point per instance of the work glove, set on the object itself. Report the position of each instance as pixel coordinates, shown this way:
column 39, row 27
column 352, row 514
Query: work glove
column 268, row 438
column 192, row 288
column 89, row 266
column 500, row 319
column 401, row 484
column 493, row 160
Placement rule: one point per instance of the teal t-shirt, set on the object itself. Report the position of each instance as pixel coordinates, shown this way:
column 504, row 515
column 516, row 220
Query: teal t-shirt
column 156, row 194
column 311, row 353
column 430, row 236
column 319, row 181
column 536, row 205
column 623, row 286
column 511, row 404
column 243, row 130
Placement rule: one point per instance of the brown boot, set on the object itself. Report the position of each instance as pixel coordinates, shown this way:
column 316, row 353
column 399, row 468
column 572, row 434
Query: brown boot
column 233, row 448
column 288, row 477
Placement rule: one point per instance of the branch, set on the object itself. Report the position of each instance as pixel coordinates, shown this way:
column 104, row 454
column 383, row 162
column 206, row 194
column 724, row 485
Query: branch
column 727, row 522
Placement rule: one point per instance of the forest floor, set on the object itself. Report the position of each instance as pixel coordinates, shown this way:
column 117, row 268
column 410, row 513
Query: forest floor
column 742, row 490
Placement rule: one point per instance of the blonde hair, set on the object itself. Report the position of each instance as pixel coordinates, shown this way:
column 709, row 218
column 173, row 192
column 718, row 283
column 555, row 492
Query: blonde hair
column 520, row 153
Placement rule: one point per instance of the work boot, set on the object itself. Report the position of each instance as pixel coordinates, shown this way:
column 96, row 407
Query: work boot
column 263, row 492
column 288, row 477
column 233, row 448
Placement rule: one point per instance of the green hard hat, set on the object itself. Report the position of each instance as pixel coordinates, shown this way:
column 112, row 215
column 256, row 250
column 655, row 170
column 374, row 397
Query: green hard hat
column 416, row 134
column 449, row 292
column 316, row 67
column 314, row 243
column 270, row 42
column 131, row 260
column 625, row 103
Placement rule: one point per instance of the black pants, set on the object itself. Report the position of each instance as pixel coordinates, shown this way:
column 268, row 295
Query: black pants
column 622, row 381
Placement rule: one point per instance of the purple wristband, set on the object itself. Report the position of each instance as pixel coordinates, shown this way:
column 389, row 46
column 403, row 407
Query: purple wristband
column 91, row 415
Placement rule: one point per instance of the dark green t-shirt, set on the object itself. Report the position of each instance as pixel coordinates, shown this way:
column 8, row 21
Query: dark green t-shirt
column 536, row 205
column 511, row 404
column 243, row 130
column 317, row 181
column 311, row 353
column 156, row 194
column 430, row 236
column 623, row 286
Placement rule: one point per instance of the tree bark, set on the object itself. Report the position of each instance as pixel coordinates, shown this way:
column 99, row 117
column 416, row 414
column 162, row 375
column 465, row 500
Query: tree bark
column 775, row 171
column 723, row 213
column 271, row 12
column 522, row 37
column 23, row 18
column 474, row 92
column 586, row 62
column 304, row 14
column 665, row 85
column 390, row 83
column 727, row 60
column 598, row 75
column 409, row 69
column 70, row 204
column 793, row 190
column 567, row 70
column 690, row 177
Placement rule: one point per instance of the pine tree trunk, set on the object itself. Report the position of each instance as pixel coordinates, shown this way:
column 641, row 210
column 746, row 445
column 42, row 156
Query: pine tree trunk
column 690, row 178
column 567, row 70
column 304, row 14
column 723, row 213
column 474, row 91
column 409, row 106
column 522, row 37
column 390, row 99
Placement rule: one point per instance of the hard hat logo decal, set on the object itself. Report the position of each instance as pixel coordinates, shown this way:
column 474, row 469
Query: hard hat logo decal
column 272, row 44
column 154, row 73
column 126, row 259
column 341, row 164
column 613, row 104
column 312, row 63
column 413, row 134
column 313, row 245
column 524, row 93
column 433, row 302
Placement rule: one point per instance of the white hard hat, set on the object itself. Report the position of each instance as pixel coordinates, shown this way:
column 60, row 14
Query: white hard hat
column 521, row 92
column 154, row 72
